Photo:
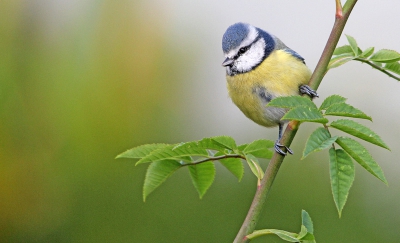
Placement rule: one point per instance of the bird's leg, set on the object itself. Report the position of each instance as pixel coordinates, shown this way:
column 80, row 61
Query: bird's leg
column 305, row 89
column 278, row 146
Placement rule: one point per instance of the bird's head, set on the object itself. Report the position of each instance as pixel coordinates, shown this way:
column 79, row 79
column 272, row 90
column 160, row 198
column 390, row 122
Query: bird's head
column 245, row 47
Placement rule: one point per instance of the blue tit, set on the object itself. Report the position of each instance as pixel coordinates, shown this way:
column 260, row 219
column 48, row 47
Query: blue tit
column 259, row 68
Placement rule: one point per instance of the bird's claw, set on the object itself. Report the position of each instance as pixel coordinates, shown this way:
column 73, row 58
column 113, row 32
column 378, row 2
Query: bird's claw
column 305, row 89
column 278, row 149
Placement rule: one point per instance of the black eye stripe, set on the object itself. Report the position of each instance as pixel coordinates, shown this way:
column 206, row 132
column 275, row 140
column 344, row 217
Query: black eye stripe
column 242, row 51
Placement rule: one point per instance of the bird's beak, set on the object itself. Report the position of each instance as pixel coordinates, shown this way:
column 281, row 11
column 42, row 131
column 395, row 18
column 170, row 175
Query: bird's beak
column 228, row 62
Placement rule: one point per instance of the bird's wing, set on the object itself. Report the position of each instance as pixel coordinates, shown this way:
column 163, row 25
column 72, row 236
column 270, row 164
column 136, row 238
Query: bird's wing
column 279, row 45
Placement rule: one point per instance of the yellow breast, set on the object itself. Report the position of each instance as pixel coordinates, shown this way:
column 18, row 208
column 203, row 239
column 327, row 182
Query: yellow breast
column 280, row 74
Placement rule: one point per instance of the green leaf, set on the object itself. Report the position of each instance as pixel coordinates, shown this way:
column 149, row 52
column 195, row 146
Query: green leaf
column 219, row 143
column 343, row 49
column 343, row 109
column 291, row 102
column 174, row 152
column 303, row 232
column 358, row 130
column 378, row 64
column 157, row 173
column 208, row 143
column 306, row 221
column 288, row 236
column 368, row 52
column 234, row 165
column 141, row 151
column 205, row 143
column 339, row 60
column 353, row 44
column 260, row 148
column 385, row 56
column 305, row 236
column 320, row 139
column 333, row 99
column 305, row 114
column 242, row 147
column 225, row 141
column 342, row 176
column 362, row 156
column 202, row 176
column 309, row 238
column 393, row 67
column 255, row 167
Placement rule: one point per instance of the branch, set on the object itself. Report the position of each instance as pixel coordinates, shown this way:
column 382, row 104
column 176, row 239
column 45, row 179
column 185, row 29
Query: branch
column 378, row 68
column 254, row 213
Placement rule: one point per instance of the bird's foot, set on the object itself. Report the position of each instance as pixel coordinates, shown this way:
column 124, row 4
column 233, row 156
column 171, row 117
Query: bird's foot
column 278, row 149
column 305, row 89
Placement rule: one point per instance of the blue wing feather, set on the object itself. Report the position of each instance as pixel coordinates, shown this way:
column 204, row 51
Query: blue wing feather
column 295, row 54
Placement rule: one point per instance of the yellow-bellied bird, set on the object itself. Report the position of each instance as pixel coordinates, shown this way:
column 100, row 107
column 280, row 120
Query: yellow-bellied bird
column 259, row 68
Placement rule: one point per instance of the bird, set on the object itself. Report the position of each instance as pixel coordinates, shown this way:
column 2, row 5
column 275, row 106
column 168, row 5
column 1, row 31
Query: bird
column 259, row 68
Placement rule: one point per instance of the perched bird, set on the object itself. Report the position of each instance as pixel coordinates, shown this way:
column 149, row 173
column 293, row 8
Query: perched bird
column 259, row 68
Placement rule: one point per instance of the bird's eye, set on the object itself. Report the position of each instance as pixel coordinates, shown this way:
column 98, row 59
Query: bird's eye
column 242, row 50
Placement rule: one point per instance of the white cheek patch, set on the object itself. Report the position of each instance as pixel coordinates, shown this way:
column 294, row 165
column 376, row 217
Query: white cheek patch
column 252, row 57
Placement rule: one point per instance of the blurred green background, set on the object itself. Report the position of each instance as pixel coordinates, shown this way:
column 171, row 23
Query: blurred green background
column 82, row 81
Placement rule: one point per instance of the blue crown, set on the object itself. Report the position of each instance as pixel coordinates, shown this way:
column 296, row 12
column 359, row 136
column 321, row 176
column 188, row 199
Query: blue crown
column 234, row 35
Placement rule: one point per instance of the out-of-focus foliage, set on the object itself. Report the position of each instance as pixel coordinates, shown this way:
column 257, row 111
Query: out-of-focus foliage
column 74, row 91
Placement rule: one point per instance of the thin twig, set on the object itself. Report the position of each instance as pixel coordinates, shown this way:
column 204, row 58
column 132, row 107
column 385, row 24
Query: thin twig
column 377, row 67
column 217, row 158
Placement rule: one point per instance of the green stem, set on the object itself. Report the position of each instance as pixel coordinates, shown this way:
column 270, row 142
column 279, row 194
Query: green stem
column 217, row 158
column 260, row 196
column 378, row 68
